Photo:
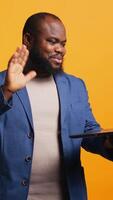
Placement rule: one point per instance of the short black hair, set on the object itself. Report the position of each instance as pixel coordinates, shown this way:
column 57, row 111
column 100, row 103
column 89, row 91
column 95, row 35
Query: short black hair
column 35, row 19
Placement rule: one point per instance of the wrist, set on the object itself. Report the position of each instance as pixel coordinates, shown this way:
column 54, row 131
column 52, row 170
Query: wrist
column 6, row 89
column 6, row 92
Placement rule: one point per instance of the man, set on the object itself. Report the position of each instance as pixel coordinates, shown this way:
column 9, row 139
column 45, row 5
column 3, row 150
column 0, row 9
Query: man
column 41, row 106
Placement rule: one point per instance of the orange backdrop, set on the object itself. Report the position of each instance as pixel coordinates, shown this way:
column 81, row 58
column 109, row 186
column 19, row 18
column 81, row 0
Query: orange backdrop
column 89, row 55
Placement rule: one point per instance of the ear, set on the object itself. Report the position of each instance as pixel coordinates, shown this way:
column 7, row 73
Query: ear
column 28, row 40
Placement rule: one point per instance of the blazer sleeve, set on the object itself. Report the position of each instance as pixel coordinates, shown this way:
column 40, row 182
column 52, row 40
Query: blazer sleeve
column 4, row 104
column 94, row 144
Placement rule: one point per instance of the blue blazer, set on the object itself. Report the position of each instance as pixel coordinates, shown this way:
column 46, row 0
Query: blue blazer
column 17, row 135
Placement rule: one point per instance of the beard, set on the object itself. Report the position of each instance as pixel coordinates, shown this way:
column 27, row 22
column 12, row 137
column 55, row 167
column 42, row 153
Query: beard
column 41, row 65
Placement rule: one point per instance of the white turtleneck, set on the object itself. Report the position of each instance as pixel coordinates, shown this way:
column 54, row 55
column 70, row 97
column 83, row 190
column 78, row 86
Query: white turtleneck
column 45, row 183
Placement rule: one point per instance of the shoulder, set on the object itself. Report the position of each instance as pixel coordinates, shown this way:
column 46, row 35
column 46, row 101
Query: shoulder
column 74, row 81
column 76, row 86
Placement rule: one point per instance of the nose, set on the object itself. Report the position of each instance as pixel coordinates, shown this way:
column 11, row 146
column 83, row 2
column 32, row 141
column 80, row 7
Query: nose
column 60, row 49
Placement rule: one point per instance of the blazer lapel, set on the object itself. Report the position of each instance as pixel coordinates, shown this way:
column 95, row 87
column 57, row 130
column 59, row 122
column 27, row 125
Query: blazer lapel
column 62, row 88
column 23, row 96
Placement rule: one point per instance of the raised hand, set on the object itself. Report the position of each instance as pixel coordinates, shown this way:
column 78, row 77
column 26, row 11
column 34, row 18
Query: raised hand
column 15, row 79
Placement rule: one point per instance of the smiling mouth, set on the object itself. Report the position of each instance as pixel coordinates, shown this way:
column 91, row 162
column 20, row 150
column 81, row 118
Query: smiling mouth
column 57, row 59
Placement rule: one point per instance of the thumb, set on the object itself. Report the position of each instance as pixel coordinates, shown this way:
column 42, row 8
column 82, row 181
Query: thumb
column 30, row 76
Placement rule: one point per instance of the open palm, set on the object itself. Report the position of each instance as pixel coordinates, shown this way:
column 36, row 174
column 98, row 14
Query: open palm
column 15, row 79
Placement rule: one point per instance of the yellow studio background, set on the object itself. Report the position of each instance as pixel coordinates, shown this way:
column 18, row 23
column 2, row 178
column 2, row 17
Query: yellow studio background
column 89, row 55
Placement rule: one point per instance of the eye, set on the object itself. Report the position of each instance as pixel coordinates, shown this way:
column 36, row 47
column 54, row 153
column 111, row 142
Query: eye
column 52, row 41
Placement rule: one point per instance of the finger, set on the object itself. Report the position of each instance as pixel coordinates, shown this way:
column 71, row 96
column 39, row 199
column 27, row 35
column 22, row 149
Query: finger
column 24, row 50
column 21, row 52
column 21, row 56
column 25, row 55
column 17, row 52
column 22, row 60
column 24, row 47
column 30, row 76
column 12, row 63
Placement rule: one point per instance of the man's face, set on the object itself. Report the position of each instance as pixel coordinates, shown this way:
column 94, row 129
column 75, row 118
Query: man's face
column 48, row 47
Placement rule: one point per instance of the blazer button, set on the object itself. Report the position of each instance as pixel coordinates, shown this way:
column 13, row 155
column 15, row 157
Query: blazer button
column 24, row 182
column 28, row 158
column 30, row 135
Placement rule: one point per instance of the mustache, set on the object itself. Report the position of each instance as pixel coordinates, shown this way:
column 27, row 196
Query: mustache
column 56, row 55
